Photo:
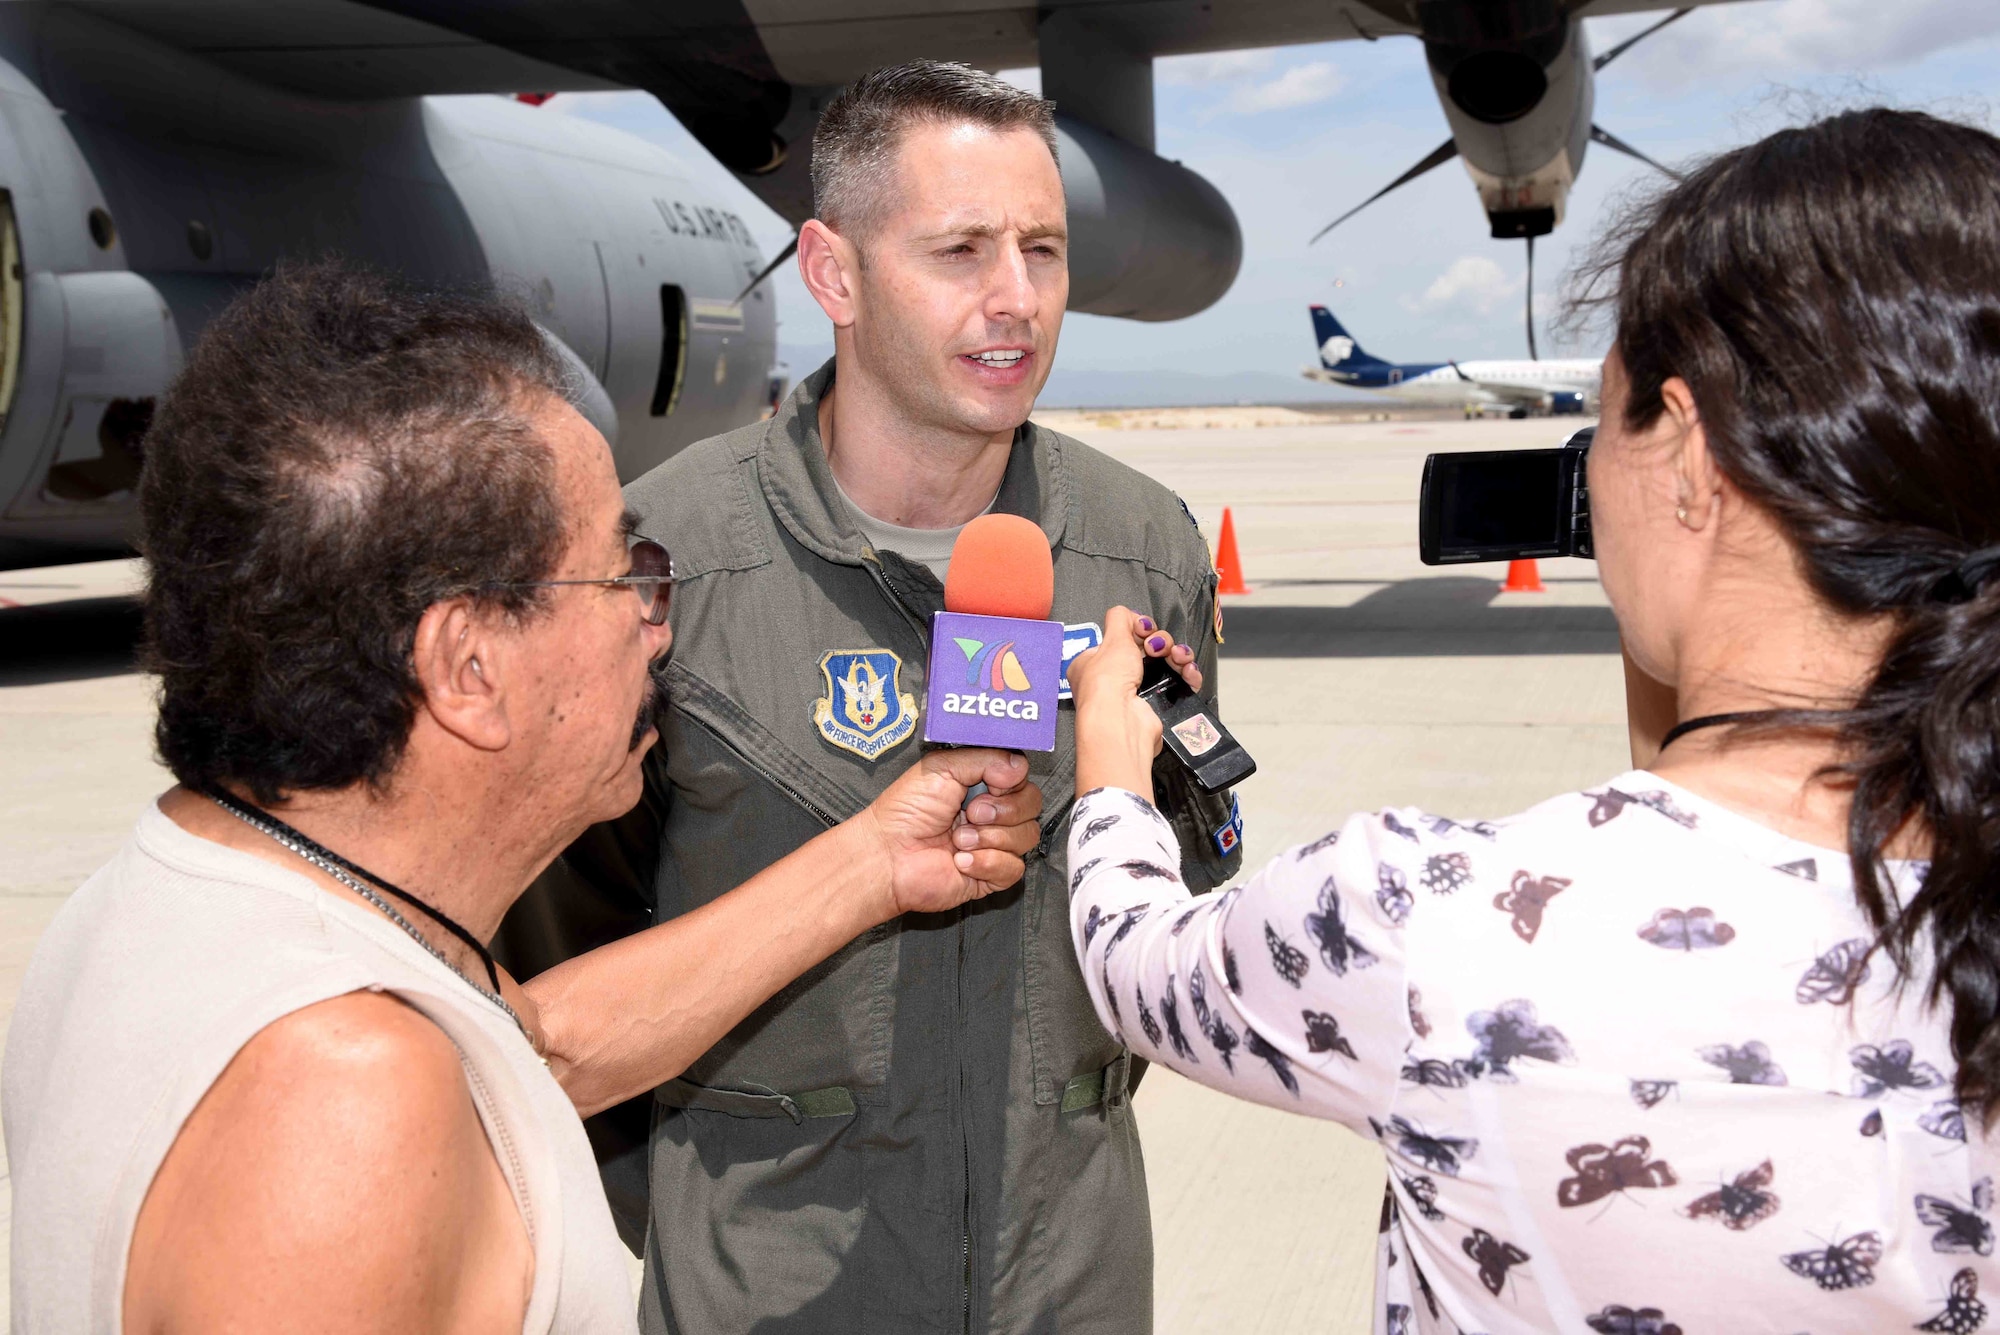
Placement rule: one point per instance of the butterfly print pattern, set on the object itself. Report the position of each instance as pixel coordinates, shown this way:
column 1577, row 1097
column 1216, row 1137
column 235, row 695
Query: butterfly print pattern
column 1170, row 1011
column 1396, row 1318
column 1220, row 1036
column 1287, row 959
column 1323, row 1035
column 1833, row 977
column 1319, row 845
column 1961, row 1225
column 1508, row 1033
column 1420, row 1023
column 1739, row 1204
column 1440, row 1154
column 1526, row 899
column 1687, row 929
column 1392, row 894
column 1337, row 946
column 1147, row 1023
column 1847, row 1264
column 1255, row 1044
column 1612, row 802
column 1963, row 1312
column 1617, row 1319
column 1750, row 1064
column 1096, row 827
column 1493, row 1257
column 1447, row 873
column 1945, row 1120
column 1573, row 1039
column 1891, row 1067
column 1140, row 869
column 1600, row 1170
column 1445, row 825
column 1649, row 1093
column 1424, row 1193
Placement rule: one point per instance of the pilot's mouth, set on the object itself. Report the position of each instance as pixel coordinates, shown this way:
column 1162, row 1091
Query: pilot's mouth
column 1000, row 359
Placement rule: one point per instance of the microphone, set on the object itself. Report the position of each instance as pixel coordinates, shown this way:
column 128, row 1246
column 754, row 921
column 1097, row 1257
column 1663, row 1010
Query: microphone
column 996, row 658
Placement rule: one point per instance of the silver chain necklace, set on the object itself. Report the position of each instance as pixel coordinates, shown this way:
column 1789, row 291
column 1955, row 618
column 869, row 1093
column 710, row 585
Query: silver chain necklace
column 389, row 910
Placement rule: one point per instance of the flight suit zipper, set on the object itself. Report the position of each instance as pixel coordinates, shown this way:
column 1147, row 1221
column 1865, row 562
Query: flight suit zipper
column 819, row 812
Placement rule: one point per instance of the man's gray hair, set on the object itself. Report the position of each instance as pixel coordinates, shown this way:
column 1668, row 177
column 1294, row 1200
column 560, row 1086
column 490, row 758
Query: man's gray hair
column 854, row 148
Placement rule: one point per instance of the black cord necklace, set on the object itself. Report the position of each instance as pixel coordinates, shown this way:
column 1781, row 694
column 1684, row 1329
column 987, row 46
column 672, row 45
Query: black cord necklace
column 1680, row 730
column 258, row 817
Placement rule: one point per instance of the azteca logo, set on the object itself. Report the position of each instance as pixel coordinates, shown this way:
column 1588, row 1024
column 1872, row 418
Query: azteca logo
column 996, row 668
column 1337, row 349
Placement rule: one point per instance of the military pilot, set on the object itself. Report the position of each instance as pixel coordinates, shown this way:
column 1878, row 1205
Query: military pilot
column 930, row 1131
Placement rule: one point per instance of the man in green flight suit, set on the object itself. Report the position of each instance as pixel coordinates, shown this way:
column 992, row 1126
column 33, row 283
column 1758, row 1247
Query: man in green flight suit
column 930, row 1131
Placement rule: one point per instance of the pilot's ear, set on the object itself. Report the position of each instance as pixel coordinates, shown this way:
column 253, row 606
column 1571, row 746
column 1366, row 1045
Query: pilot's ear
column 827, row 263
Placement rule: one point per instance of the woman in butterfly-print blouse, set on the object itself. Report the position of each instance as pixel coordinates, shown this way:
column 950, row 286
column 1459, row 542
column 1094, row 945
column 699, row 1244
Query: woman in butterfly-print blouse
column 1710, row 1046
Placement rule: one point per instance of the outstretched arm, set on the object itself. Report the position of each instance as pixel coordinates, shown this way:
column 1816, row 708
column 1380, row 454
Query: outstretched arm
column 631, row 1015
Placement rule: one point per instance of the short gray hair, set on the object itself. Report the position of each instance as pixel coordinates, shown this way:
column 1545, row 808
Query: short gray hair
column 854, row 148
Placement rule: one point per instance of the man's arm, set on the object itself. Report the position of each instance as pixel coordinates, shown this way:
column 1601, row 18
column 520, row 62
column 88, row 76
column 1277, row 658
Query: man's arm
column 633, row 1014
column 334, row 1178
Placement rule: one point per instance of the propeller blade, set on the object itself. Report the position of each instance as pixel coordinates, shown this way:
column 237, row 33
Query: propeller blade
column 771, row 268
column 1639, row 37
column 1600, row 135
column 1533, row 356
column 1437, row 157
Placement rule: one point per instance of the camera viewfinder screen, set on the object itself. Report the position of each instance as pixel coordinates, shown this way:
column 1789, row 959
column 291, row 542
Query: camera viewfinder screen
column 1510, row 500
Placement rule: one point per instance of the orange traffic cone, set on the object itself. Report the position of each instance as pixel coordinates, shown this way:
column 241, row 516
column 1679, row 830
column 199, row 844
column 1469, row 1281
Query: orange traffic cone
column 1523, row 577
column 1228, row 562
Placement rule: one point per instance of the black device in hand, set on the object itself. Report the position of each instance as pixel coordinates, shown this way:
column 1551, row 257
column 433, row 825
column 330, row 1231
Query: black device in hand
column 1506, row 505
column 1195, row 736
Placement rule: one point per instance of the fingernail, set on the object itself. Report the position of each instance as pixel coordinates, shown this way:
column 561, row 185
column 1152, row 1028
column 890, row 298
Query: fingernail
column 1184, row 649
column 963, row 861
column 965, row 837
column 1158, row 644
column 1147, row 623
column 981, row 813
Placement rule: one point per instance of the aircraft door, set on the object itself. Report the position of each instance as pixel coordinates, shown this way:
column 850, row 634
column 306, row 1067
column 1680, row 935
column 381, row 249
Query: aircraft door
column 120, row 350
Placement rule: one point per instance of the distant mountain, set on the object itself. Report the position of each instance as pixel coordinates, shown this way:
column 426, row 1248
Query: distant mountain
column 1081, row 387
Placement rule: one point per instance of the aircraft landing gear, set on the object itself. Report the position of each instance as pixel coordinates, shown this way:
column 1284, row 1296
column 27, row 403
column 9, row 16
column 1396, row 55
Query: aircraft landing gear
column 1516, row 414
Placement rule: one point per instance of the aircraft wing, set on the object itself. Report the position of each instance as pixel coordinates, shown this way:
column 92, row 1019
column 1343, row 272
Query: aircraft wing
column 1515, row 391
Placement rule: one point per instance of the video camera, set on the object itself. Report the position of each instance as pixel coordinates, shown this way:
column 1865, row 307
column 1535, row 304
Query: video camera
column 1506, row 505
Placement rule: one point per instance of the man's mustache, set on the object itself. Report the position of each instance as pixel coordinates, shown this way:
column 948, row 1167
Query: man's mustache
column 656, row 696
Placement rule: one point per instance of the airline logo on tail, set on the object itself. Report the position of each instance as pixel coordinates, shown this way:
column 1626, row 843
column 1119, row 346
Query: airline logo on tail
column 1336, row 349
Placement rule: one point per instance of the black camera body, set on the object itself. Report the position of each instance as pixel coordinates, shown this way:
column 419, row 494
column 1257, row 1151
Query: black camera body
column 1506, row 505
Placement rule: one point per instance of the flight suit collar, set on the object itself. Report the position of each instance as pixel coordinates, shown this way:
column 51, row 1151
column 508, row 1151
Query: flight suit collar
column 798, row 482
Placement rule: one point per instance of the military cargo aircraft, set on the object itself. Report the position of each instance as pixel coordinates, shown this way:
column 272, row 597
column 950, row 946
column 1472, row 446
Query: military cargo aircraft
column 158, row 155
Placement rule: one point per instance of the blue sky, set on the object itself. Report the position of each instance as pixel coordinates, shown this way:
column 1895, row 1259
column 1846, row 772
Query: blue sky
column 1293, row 136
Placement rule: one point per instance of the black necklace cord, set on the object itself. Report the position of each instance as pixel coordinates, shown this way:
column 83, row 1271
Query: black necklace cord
column 1682, row 729
column 244, row 811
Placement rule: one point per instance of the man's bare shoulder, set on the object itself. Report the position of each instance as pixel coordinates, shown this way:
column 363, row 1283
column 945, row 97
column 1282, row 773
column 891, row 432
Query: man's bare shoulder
column 339, row 1154
column 1116, row 510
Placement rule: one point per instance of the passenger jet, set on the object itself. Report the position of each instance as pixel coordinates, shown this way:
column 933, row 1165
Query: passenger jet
column 1516, row 387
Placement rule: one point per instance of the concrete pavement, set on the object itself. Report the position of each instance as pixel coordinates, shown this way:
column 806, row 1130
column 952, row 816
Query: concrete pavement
column 1357, row 677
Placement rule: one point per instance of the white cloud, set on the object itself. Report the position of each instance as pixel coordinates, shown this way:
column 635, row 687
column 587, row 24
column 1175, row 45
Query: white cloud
column 1218, row 67
column 1299, row 86
column 1473, row 282
column 1783, row 39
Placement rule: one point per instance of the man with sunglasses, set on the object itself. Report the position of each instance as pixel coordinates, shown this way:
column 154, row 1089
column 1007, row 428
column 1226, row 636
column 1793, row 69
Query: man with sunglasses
column 931, row 1131
column 264, row 1073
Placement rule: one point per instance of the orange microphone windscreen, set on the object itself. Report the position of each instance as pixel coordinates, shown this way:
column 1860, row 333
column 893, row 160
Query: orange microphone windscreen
column 1000, row 567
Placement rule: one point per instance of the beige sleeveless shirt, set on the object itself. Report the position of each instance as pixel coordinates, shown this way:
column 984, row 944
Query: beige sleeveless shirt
column 152, row 977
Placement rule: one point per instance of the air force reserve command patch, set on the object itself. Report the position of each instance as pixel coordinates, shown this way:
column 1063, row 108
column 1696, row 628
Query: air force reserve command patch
column 864, row 709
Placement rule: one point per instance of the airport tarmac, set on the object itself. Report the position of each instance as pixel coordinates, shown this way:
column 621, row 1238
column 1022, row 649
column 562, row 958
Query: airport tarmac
column 1358, row 678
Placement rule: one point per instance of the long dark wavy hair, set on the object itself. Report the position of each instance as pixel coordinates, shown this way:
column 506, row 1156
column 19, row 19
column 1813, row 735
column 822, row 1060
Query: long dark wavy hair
column 1831, row 296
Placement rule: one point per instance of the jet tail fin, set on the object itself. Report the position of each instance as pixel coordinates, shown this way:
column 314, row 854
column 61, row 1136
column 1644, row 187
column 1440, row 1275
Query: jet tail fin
column 1337, row 347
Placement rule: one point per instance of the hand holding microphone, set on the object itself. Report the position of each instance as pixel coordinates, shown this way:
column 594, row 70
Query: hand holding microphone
column 1135, row 691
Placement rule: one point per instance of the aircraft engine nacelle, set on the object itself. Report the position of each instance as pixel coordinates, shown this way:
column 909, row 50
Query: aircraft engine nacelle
column 1148, row 239
column 1517, row 86
column 1564, row 402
